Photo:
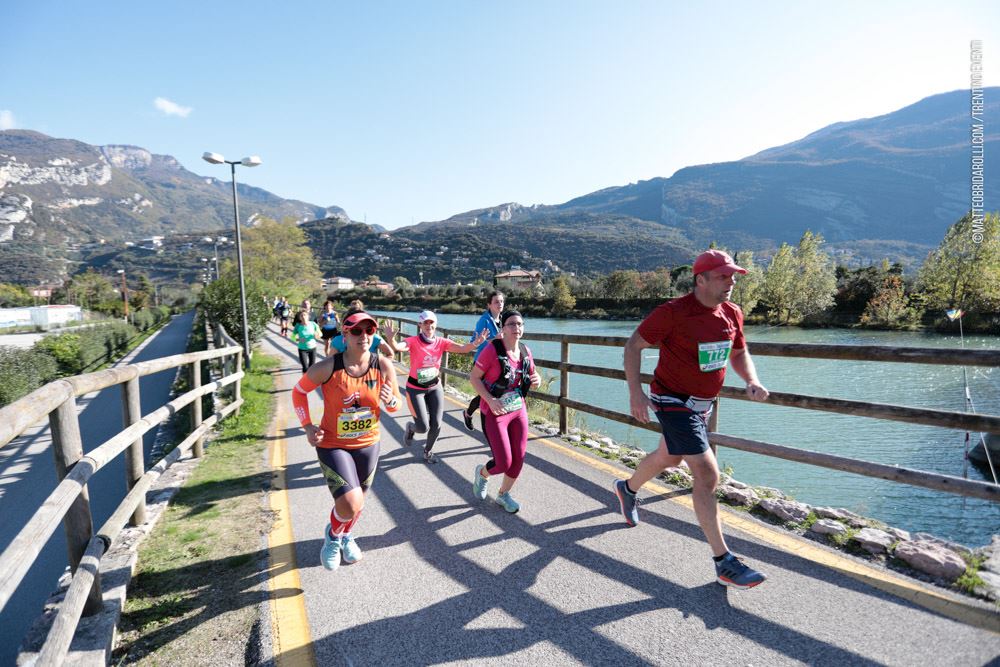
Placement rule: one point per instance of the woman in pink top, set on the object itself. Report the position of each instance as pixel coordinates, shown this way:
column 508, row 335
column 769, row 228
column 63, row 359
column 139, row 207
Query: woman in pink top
column 423, row 387
column 502, row 376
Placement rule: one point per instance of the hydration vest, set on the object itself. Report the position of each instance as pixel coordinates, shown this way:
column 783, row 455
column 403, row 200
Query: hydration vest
column 506, row 378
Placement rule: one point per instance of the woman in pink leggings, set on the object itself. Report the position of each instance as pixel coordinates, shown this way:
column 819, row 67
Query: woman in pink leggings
column 502, row 376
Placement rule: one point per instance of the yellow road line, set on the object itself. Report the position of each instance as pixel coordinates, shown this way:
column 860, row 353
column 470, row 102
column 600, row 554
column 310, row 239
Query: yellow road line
column 899, row 586
column 292, row 637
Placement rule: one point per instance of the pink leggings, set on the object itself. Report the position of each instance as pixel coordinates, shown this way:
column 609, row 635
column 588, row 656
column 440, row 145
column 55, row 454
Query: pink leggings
column 507, row 436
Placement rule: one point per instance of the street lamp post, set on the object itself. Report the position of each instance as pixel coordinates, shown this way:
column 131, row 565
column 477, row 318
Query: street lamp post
column 124, row 292
column 252, row 161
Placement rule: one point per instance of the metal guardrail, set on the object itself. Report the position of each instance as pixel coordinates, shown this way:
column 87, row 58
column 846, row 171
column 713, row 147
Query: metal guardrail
column 69, row 503
column 920, row 355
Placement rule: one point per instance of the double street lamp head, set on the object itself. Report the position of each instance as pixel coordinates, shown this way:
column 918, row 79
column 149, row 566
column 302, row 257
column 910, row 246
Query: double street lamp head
column 215, row 158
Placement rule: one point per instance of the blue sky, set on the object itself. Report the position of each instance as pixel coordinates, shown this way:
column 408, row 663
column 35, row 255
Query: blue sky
column 404, row 112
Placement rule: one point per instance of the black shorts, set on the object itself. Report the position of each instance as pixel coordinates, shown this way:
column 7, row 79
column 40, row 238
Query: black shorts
column 685, row 431
column 329, row 333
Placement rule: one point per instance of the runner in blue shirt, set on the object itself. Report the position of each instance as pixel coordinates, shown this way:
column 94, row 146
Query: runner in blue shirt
column 489, row 322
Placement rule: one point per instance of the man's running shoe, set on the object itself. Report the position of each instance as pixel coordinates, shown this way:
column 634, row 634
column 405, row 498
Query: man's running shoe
column 505, row 501
column 479, row 484
column 408, row 438
column 467, row 418
column 430, row 457
column 329, row 555
column 731, row 571
column 350, row 550
column 628, row 501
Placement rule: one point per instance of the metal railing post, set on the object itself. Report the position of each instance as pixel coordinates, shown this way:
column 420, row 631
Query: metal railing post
column 67, row 447
column 196, row 417
column 135, row 464
column 563, row 387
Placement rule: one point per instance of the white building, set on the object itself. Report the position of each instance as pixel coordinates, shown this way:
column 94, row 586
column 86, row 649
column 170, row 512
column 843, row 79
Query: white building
column 338, row 283
column 40, row 316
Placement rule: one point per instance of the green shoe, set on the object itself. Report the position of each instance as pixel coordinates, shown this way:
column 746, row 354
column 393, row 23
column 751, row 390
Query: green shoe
column 329, row 555
column 350, row 550
column 505, row 501
column 479, row 484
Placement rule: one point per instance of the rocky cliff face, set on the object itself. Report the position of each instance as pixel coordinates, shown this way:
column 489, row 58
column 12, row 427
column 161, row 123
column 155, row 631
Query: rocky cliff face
column 56, row 194
column 127, row 157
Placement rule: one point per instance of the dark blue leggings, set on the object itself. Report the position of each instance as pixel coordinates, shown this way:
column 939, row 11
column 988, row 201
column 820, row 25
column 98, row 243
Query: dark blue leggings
column 346, row 469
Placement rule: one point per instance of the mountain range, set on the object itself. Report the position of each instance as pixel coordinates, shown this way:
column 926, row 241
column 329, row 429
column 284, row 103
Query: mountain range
column 887, row 186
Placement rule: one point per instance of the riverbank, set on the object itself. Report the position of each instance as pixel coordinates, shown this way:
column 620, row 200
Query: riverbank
column 637, row 309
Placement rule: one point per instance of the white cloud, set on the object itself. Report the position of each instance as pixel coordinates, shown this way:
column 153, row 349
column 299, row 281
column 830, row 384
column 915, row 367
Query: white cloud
column 171, row 108
column 7, row 121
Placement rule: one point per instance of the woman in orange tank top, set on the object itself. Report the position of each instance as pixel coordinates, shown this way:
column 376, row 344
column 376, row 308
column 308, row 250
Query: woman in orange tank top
column 356, row 385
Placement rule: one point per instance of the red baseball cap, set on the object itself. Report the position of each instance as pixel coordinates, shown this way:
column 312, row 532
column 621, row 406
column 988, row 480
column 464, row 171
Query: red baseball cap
column 357, row 318
column 715, row 259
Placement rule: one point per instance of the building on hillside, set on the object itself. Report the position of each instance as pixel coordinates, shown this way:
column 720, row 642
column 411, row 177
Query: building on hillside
column 337, row 283
column 518, row 279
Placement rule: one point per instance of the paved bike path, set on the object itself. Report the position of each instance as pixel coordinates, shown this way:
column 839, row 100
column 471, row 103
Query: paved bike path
column 450, row 579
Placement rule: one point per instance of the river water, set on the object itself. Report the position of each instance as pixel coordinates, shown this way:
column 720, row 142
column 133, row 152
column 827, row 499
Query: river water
column 966, row 520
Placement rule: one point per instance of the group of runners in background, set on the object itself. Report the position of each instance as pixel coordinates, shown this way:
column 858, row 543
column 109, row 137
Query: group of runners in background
column 698, row 336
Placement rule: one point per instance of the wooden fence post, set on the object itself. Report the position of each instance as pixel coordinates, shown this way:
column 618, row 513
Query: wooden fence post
column 713, row 421
column 135, row 464
column 444, row 365
column 196, row 417
column 238, row 385
column 67, row 447
column 563, row 387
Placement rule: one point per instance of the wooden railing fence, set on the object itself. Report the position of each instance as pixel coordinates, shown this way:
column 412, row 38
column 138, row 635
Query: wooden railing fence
column 69, row 503
column 942, row 418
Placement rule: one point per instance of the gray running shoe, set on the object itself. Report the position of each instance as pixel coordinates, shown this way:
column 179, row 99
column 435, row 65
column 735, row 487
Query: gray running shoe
column 731, row 571
column 628, row 501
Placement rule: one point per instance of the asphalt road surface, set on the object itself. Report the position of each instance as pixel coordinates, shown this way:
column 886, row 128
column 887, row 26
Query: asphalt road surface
column 450, row 579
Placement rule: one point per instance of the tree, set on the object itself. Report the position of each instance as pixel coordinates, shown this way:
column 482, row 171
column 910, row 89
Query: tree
column 563, row 299
column 889, row 307
column 221, row 303
column 277, row 258
column 402, row 285
column 799, row 281
column 621, row 284
column 655, row 284
column 963, row 273
column 12, row 296
column 748, row 287
column 91, row 290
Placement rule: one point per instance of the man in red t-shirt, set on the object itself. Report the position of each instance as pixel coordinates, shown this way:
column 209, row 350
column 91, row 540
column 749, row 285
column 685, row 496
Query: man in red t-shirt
column 698, row 335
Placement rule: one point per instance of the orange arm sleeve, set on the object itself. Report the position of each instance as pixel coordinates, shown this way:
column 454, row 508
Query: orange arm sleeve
column 300, row 399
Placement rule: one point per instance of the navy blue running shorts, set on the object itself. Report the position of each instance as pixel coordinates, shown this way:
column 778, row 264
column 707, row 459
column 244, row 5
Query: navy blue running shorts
column 686, row 432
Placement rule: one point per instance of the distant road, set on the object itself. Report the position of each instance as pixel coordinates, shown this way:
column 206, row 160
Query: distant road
column 27, row 477
column 20, row 340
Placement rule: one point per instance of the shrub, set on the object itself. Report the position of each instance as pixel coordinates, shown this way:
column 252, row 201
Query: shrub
column 76, row 353
column 22, row 371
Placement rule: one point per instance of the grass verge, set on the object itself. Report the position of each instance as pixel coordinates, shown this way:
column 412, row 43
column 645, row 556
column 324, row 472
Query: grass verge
column 195, row 595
